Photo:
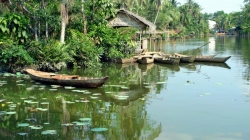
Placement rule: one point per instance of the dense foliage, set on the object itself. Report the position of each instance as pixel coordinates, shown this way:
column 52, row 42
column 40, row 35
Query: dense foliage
column 77, row 31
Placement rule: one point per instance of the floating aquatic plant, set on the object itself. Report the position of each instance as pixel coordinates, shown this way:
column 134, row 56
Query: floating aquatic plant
column 10, row 113
column 69, row 102
column 100, row 129
column 85, row 119
column 53, row 89
column 93, row 97
column 22, row 133
column 69, row 87
column 67, row 124
column 49, row 132
column 36, row 127
column 22, row 124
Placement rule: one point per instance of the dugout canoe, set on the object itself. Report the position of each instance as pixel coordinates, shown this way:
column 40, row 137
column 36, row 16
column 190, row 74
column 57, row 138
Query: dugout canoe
column 66, row 80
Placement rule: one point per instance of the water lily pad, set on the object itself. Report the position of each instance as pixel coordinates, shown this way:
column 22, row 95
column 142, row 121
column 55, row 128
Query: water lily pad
column 20, row 84
column 69, row 102
column 93, row 97
column 67, row 124
column 22, row 124
column 2, row 100
column 36, row 127
column 10, row 113
column 2, row 113
column 121, row 98
column 53, row 89
column 55, row 86
column 7, row 74
column 49, row 132
column 22, row 133
column 85, row 119
column 82, row 91
column 84, row 101
column 44, row 103
column 29, row 88
column 96, row 94
column 41, row 88
column 100, row 129
column 75, row 90
column 69, row 87
column 81, row 123
column 42, row 109
column 33, row 102
column 27, row 101
column 87, row 92
column 12, row 105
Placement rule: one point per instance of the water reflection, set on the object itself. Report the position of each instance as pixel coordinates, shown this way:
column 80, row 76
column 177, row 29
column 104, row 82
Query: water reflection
column 53, row 112
column 155, row 101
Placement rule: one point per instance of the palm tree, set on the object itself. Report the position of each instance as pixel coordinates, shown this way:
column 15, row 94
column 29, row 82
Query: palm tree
column 159, row 4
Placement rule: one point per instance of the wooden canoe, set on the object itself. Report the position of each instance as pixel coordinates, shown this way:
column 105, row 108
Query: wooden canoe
column 66, row 80
column 168, row 60
column 125, row 60
column 145, row 60
column 185, row 58
column 211, row 59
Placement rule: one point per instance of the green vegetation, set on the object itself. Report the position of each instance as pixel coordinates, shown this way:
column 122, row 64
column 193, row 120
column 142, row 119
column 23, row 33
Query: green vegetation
column 76, row 32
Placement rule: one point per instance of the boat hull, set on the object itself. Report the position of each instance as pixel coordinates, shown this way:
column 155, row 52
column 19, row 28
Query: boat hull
column 168, row 60
column 145, row 60
column 125, row 60
column 212, row 59
column 66, row 80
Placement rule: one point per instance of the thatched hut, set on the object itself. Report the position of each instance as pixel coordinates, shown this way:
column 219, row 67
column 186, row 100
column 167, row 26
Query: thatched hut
column 126, row 18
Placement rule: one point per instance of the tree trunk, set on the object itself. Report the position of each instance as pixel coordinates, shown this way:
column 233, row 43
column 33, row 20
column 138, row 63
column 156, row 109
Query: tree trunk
column 157, row 14
column 84, row 19
column 64, row 21
column 63, row 28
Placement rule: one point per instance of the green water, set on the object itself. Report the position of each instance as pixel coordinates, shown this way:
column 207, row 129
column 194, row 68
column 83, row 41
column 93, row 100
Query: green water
column 195, row 101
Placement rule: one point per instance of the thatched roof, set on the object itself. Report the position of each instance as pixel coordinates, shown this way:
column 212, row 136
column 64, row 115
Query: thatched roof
column 126, row 18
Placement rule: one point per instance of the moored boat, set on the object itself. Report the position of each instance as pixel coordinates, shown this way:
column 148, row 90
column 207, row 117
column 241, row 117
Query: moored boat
column 125, row 60
column 211, row 58
column 66, row 80
column 185, row 58
column 168, row 60
column 145, row 60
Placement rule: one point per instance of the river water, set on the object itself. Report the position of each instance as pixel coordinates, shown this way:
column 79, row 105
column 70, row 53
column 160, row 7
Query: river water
column 193, row 101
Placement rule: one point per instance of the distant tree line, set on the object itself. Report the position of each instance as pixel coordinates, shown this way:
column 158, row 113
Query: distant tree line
column 75, row 32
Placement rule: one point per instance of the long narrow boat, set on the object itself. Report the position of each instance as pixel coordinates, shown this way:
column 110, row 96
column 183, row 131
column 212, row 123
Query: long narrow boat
column 211, row 58
column 168, row 60
column 66, row 80
column 125, row 60
column 145, row 60
column 185, row 58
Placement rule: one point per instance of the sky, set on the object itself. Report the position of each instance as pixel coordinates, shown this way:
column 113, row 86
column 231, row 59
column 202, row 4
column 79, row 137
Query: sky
column 211, row 6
